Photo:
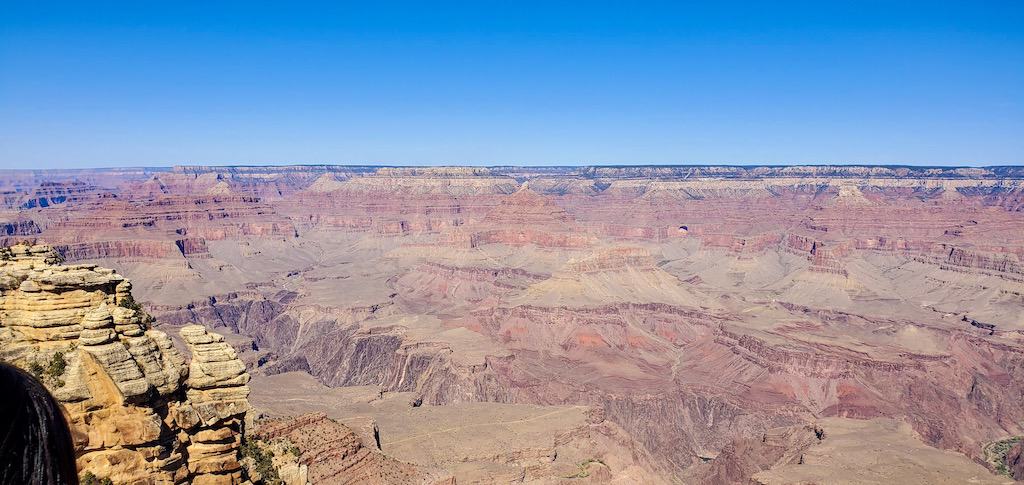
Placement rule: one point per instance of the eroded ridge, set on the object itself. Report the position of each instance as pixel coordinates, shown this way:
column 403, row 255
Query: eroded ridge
column 138, row 412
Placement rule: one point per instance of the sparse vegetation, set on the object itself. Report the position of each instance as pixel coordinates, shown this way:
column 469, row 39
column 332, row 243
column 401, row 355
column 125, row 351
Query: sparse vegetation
column 88, row 478
column 261, row 469
column 995, row 454
column 130, row 303
column 57, row 365
column 36, row 369
column 584, row 468
column 51, row 371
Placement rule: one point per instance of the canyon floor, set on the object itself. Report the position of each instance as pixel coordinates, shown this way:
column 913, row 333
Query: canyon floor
column 590, row 324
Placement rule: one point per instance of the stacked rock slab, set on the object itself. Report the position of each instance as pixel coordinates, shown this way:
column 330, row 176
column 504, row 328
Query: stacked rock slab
column 217, row 393
column 138, row 412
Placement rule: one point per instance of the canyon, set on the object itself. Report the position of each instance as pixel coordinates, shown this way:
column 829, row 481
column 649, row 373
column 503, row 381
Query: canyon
column 658, row 324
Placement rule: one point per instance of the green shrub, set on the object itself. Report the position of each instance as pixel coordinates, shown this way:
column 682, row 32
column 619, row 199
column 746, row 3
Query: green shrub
column 263, row 461
column 51, row 372
column 997, row 454
column 583, row 471
column 57, row 365
column 130, row 303
column 89, row 479
column 36, row 369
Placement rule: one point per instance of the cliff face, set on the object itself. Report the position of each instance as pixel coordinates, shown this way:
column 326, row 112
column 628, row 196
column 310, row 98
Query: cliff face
column 333, row 453
column 138, row 412
column 1015, row 461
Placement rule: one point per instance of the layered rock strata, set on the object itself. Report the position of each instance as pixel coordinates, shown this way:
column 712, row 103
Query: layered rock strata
column 748, row 297
column 334, row 454
column 138, row 412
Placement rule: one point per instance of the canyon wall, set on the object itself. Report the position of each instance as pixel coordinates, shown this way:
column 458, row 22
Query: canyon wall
column 696, row 308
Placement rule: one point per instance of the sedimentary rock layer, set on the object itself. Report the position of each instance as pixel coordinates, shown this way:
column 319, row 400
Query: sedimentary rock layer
column 697, row 308
column 138, row 412
column 334, row 454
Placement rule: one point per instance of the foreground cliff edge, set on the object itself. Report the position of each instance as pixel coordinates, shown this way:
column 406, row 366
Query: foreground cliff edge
column 138, row 412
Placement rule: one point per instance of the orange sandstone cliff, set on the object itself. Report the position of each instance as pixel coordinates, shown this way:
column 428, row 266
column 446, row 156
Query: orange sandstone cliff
column 138, row 412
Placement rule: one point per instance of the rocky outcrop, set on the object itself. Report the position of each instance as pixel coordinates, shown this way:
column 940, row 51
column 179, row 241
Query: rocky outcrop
column 138, row 412
column 50, row 194
column 334, row 454
column 1015, row 461
column 123, row 249
column 527, row 217
column 193, row 247
column 742, row 458
column 994, row 262
column 158, row 221
column 18, row 227
column 216, row 392
column 739, row 245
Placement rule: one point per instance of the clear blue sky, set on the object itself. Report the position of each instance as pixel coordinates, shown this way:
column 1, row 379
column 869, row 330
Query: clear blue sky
column 511, row 82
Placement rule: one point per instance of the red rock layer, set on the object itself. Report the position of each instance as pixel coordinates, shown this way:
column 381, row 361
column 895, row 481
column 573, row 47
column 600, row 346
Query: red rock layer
column 334, row 454
column 164, row 226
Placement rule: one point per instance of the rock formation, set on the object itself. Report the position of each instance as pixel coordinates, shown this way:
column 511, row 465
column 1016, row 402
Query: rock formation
column 334, row 454
column 138, row 412
column 1015, row 461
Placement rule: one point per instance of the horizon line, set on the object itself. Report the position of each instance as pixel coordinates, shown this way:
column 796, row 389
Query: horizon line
column 512, row 166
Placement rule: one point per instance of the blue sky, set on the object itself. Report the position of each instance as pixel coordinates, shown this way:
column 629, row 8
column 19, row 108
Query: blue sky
column 158, row 83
